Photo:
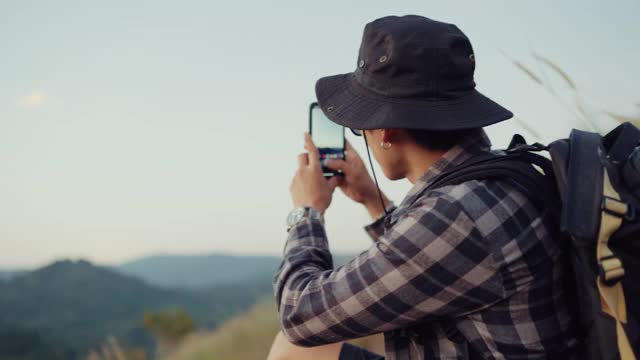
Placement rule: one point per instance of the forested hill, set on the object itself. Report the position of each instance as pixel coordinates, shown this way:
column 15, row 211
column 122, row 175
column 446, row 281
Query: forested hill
column 8, row 274
column 76, row 305
column 69, row 307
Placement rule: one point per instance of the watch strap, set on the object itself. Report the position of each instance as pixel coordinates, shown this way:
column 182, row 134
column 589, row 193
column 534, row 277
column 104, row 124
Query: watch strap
column 308, row 213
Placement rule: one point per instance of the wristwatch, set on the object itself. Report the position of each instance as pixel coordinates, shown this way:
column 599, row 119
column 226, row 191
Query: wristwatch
column 298, row 214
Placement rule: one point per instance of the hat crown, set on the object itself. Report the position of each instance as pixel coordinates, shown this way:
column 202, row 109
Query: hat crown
column 414, row 56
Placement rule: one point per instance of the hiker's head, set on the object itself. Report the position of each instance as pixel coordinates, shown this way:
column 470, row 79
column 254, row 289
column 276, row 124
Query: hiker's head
column 412, row 73
column 394, row 149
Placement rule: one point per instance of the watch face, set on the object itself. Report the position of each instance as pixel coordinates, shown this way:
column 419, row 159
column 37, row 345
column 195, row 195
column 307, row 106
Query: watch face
column 294, row 216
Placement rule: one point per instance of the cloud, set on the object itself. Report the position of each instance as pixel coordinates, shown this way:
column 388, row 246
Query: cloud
column 34, row 100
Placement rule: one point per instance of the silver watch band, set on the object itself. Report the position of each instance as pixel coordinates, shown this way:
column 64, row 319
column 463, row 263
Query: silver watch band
column 299, row 214
column 312, row 213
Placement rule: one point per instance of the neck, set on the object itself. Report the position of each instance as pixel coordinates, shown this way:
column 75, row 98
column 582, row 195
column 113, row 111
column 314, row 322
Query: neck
column 419, row 160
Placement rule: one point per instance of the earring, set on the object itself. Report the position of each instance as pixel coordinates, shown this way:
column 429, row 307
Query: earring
column 385, row 145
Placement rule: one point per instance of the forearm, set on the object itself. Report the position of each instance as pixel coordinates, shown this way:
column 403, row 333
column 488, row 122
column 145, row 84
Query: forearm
column 374, row 205
column 306, row 255
column 312, row 296
column 379, row 215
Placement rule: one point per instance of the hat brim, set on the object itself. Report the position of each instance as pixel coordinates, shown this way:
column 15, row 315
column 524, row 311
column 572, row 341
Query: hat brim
column 348, row 103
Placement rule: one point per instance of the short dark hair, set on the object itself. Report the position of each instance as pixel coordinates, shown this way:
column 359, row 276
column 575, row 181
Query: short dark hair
column 440, row 140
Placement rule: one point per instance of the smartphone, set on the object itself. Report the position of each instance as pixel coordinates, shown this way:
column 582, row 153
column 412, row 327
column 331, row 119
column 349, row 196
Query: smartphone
column 328, row 137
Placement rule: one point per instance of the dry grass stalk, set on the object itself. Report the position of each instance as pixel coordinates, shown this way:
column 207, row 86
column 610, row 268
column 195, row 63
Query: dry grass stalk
column 116, row 349
column 557, row 69
column 578, row 107
column 111, row 350
column 523, row 68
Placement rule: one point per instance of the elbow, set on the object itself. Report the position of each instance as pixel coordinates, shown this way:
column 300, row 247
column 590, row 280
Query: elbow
column 295, row 338
column 298, row 334
column 299, row 322
column 292, row 330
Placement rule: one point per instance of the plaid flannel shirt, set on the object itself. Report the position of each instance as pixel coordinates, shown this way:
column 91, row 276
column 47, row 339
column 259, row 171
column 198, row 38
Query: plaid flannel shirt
column 455, row 272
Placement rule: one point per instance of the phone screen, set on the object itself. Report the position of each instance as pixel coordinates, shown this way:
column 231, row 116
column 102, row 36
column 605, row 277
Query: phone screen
column 327, row 136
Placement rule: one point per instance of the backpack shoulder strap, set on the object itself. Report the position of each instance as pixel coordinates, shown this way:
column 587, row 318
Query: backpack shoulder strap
column 513, row 166
column 583, row 184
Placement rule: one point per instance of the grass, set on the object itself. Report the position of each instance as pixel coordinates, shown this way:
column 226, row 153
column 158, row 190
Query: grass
column 544, row 75
column 246, row 337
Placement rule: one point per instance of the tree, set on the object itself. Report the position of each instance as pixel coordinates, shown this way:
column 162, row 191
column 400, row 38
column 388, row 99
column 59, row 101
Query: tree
column 168, row 326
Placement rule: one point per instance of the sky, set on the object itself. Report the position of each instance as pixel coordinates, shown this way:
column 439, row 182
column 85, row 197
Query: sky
column 130, row 128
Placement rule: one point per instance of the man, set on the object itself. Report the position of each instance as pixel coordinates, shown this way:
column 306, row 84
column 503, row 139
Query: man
column 461, row 271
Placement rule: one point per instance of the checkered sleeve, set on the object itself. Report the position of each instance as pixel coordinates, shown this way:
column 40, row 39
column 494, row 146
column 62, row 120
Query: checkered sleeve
column 430, row 263
column 376, row 228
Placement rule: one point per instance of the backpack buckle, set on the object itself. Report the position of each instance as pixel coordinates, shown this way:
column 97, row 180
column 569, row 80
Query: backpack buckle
column 535, row 147
column 617, row 208
column 610, row 270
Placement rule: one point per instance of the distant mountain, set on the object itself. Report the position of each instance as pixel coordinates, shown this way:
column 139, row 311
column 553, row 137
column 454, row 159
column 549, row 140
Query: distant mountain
column 200, row 271
column 203, row 271
column 77, row 304
column 8, row 274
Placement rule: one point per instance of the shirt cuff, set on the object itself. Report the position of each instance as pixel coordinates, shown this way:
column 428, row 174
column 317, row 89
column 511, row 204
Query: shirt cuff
column 376, row 228
column 309, row 232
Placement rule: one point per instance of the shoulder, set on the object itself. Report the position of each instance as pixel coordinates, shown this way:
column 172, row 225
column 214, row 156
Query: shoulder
column 489, row 204
column 479, row 196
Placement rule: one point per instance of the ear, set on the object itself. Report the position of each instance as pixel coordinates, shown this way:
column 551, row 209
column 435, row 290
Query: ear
column 391, row 135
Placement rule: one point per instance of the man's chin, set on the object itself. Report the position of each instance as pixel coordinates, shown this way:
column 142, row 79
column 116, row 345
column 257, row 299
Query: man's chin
column 394, row 177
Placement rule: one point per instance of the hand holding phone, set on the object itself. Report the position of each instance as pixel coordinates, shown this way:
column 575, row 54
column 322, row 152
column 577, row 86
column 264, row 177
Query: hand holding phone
column 309, row 188
column 328, row 138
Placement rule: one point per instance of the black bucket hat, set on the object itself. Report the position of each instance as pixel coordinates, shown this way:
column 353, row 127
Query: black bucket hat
column 412, row 73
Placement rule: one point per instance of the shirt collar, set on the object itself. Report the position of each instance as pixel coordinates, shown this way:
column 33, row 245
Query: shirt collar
column 473, row 145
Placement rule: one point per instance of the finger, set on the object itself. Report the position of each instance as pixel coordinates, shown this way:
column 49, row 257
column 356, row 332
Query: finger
column 314, row 154
column 350, row 153
column 349, row 147
column 303, row 159
column 336, row 165
column 333, row 182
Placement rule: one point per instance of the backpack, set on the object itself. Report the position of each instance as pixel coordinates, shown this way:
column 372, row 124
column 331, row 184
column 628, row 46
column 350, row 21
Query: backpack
column 591, row 186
